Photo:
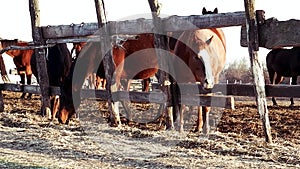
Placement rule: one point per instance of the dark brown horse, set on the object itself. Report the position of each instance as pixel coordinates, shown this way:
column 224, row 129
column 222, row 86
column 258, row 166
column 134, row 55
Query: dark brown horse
column 283, row 63
column 4, row 75
column 203, row 53
column 21, row 59
column 133, row 59
column 58, row 67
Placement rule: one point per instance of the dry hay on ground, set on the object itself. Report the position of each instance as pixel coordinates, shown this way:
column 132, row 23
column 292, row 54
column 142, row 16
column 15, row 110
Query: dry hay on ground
column 236, row 141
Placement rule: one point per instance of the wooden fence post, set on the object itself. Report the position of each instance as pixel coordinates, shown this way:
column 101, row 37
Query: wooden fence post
column 40, row 59
column 107, row 62
column 100, row 9
column 257, row 69
column 160, row 42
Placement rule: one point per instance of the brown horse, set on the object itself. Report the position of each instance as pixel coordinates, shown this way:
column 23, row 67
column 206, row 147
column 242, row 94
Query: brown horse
column 21, row 59
column 283, row 63
column 99, row 78
column 133, row 59
column 94, row 80
column 203, row 51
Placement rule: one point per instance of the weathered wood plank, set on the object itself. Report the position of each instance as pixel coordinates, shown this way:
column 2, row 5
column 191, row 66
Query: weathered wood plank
column 275, row 34
column 24, row 48
column 159, row 97
column 1, row 102
column 161, row 45
column 40, row 53
column 256, row 66
column 172, row 23
column 206, row 100
column 180, row 23
column 141, row 97
column 34, row 89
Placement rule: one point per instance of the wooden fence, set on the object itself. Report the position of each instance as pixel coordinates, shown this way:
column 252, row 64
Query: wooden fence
column 259, row 32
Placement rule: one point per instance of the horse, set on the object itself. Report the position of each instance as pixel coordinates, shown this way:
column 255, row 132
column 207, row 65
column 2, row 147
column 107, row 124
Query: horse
column 281, row 63
column 4, row 75
column 93, row 79
column 21, row 59
column 125, row 54
column 202, row 56
column 58, row 67
column 99, row 78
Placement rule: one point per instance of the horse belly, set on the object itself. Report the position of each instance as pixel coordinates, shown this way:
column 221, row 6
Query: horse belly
column 141, row 65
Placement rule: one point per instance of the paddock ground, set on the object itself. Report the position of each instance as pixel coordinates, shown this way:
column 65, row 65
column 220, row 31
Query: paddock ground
column 236, row 139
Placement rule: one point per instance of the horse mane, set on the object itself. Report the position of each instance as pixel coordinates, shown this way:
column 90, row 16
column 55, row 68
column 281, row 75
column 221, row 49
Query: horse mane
column 220, row 35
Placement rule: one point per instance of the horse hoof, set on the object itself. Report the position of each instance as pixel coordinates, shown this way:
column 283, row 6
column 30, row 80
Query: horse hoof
column 170, row 128
column 205, row 131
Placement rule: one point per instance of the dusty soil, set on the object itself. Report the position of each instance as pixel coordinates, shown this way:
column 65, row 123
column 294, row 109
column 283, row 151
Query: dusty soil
column 236, row 139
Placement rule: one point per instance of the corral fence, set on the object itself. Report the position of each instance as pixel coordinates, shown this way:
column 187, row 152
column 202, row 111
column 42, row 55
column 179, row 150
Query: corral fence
column 256, row 32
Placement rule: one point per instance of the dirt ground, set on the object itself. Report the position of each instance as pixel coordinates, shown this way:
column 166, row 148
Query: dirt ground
column 236, row 139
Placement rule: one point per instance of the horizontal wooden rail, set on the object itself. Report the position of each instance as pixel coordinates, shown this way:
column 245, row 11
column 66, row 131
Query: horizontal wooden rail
column 275, row 34
column 31, row 47
column 223, row 93
column 34, row 89
column 242, row 90
column 172, row 23
column 159, row 97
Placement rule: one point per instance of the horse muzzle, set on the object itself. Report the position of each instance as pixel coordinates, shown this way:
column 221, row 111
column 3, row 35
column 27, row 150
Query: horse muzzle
column 208, row 84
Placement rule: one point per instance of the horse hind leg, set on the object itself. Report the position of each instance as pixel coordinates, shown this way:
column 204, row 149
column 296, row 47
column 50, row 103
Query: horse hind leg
column 294, row 82
column 22, row 76
column 28, row 77
column 276, row 80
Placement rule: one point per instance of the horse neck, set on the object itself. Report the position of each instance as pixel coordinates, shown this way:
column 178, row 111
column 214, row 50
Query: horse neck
column 220, row 35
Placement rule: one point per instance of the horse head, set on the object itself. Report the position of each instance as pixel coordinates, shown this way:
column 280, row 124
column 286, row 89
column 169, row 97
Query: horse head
column 201, row 62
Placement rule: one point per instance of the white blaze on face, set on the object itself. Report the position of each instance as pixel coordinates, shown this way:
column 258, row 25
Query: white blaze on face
column 203, row 54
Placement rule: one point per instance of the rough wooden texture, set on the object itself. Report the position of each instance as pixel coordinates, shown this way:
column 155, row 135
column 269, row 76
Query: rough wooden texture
column 257, row 68
column 34, row 89
column 100, row 9
column 24, row 48
column 108, row 62
column 275, row 34
column 159, row 97
column 172, row 23
column 1, row 102
column 40, row 59
column 161, row 45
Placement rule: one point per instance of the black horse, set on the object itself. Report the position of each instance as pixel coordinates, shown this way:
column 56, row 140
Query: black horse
column 283, row 63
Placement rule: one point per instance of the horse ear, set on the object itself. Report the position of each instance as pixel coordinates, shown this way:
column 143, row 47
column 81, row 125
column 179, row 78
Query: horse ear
column 204, row 11
column 216, row 10
column 209, row 40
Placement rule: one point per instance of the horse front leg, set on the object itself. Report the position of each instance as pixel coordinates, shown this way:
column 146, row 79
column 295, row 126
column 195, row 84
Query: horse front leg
column 183, row 107
column 205, row 116
column 199, row 123
column 114, row 108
